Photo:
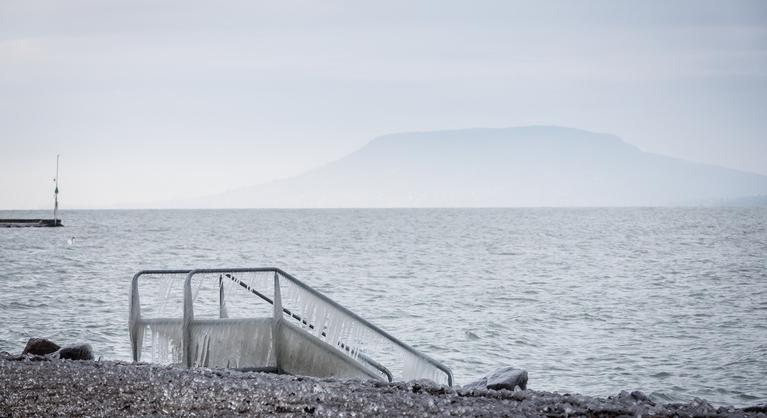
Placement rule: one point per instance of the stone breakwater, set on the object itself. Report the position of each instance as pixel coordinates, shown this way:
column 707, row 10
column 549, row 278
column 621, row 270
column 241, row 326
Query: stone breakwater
column 34, row 386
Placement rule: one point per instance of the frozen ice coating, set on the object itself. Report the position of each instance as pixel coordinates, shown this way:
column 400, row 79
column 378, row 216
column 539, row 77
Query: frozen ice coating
column 353, row 337
column 165, row 346
column 417, row 368
column 234, row 318
column 168, row 285
column 232, row 343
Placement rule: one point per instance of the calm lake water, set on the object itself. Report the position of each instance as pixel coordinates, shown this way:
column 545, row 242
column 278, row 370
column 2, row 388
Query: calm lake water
column 672, row 302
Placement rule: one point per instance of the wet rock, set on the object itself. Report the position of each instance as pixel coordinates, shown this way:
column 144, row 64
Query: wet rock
column 640, row 396
column 75, row 352
column 504, row 378
column 40, row 347
column 762, row 407
column 702, row 407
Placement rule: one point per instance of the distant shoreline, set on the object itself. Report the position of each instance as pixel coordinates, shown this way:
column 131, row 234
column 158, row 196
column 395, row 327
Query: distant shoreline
column 127, row 209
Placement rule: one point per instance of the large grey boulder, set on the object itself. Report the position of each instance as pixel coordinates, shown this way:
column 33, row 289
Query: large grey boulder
column 40, row 347
column 504, row 378
column 75, row 352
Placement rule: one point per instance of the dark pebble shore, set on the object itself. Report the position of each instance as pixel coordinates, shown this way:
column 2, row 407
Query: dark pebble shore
column 32, row 386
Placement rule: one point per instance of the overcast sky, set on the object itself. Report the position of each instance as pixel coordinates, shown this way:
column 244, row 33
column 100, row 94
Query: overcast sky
column 155, row 100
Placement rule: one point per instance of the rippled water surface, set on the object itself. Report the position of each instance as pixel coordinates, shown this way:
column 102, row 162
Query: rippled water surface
column 669, row 301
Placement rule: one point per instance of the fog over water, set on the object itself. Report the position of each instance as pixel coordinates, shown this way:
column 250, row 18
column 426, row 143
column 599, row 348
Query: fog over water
column 668, row 301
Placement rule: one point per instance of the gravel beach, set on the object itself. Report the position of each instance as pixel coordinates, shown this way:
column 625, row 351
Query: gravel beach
column 34, row 387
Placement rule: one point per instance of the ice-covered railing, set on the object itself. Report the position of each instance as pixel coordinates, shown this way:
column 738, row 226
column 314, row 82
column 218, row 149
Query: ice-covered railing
column 159, row 313
column 212, row 296
column 320, row 316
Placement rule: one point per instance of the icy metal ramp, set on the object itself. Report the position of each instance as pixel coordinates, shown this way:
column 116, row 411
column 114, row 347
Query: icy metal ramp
column 263, row 317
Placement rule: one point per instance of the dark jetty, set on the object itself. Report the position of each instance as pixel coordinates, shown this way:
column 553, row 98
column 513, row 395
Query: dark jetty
column 21, row 223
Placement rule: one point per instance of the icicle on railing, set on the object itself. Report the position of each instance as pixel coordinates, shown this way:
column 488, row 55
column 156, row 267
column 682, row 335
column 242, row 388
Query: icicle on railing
column 229, row 329
column 235, row 343
column 354, row 338
column 166, row 342
column 159, row 316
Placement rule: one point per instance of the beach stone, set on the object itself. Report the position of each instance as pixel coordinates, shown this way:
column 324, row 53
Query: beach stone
column 640, row 396
column 40, row 347
column 504, row 378
column 75, row 352
column 762, row 408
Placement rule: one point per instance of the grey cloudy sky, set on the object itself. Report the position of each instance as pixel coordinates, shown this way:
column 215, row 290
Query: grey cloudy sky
column 155, row 100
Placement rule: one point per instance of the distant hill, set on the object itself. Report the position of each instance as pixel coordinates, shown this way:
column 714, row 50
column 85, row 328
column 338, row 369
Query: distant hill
column 525, row 166
column 745, row 201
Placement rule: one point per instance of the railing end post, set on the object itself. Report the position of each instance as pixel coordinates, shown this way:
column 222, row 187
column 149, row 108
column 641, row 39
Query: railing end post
column 277, row 323
column 186, row 330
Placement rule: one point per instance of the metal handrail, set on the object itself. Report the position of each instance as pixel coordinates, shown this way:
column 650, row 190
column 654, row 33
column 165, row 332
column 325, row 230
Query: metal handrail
column 134, row 307
column 435, row 363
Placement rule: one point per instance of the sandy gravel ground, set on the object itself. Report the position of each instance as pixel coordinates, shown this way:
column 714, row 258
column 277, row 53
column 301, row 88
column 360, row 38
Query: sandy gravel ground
column 89, row 388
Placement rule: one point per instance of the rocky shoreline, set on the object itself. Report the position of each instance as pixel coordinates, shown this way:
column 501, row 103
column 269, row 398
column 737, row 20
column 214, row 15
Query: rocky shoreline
column 41, row 386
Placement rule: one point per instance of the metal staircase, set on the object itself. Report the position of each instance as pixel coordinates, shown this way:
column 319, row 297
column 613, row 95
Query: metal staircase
column 263, row 319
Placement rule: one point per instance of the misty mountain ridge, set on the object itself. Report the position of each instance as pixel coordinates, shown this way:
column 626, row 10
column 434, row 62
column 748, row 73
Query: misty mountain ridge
column 504, row 167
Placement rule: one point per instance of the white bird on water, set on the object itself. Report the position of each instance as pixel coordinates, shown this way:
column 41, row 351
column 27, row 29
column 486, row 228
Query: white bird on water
column 71, row 241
